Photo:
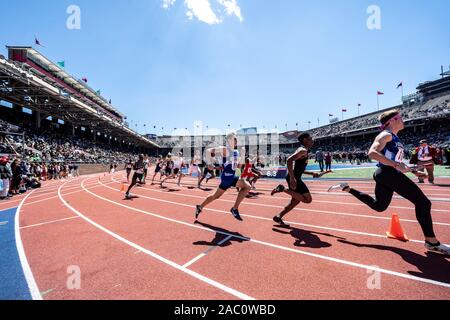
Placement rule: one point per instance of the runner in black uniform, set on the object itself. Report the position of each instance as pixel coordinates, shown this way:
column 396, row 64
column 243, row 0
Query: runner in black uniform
column 297, row 188
column 169, row 165
column 209, row 169
column 128, row 168
column 390, row 177
column 138, row 174
column 159, row 165
column 146, row 165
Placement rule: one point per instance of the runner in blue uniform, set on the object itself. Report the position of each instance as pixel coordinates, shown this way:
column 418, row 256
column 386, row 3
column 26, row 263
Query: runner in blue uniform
column 231, row 161
column 390, row 177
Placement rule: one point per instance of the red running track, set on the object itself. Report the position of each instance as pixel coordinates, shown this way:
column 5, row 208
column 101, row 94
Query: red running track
column 150, row 247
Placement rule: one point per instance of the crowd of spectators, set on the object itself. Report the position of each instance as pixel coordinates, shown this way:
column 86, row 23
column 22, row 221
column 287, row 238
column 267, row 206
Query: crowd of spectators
column 435, row 108
column 53, row 148
column 18, row 175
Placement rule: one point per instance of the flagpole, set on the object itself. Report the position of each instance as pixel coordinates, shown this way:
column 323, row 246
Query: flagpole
column 378, row 101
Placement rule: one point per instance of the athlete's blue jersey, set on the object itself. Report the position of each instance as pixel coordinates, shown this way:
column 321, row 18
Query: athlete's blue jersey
column 394, row 150
column 230, row 163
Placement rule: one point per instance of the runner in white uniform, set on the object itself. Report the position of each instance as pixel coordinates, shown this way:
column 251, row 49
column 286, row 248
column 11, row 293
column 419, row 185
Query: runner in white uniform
column 178, row 163
column 194, row 168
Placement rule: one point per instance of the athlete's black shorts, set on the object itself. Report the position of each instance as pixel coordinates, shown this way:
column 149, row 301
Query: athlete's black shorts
column 207, row 170
column 157, row 169
column 301, row 186
column 168, row 171
column 136, row 177
column 128, row 171
column 176, row 171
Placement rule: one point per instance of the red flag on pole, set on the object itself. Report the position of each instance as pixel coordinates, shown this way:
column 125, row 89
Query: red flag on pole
column 380, row 93
column 84, row 79
column 344, row 110
column 330, row 115
column 400, row 85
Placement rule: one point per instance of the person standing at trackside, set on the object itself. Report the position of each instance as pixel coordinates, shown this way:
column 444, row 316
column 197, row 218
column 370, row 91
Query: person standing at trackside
column 426, row 156
column 138, row 174
column 5, row 177
column 328, row 160
column 390, row 177
column 319, row 159
column 230, row 161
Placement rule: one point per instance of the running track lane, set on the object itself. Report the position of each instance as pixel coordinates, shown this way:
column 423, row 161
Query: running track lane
column 304, row 214
column 396, row 285
column 109, row 268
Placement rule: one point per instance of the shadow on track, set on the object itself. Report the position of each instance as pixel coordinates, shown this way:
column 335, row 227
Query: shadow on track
column 306, row 238
column 220, row 237
column 432, row 266
column 442, row 185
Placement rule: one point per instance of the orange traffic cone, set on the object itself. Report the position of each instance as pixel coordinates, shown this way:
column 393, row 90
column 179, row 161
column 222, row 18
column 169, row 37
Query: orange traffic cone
column 396, row 231
column 122, row 189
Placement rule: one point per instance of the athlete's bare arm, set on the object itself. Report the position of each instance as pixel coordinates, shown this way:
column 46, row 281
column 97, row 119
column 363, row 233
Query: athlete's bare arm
column 375, row 152
column 299, row 154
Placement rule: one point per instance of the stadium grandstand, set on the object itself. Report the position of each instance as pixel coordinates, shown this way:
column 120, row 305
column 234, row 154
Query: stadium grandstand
column 39, row 99
column 426, row 114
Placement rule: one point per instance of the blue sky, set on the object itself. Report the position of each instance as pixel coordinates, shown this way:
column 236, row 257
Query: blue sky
column 271, row 63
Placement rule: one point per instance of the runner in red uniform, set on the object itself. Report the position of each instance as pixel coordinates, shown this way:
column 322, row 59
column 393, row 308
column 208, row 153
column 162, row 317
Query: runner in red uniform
column 250, row 173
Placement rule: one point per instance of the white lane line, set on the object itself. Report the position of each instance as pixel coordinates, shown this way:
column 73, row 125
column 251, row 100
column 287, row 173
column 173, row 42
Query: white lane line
column 326, row 184
column 49, row 222
column 322, row 201
column 269, row 219
column 44, row 293
column 343, row 194
column 268, row 244
column 297, row 209
column 203, row 254
column 194, row 274
column 38, row 195
column 55, row 197
column 32, row 286
column 340, row 203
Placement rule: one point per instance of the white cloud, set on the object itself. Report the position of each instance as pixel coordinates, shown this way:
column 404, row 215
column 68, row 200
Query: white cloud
column 204, row 11
column 232, row 8
column 166, row 4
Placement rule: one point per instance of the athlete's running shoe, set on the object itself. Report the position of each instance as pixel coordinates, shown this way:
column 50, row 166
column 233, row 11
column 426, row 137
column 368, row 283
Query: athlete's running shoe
column 235, row 213
column 278, row 189
column 280, row 221
column 198, row 210
column 439, row 248
column 341, row 186
column 128, row 196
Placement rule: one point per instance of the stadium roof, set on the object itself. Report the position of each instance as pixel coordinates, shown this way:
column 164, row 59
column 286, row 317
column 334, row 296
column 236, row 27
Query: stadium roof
column 80, row 85
column 22, row 85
